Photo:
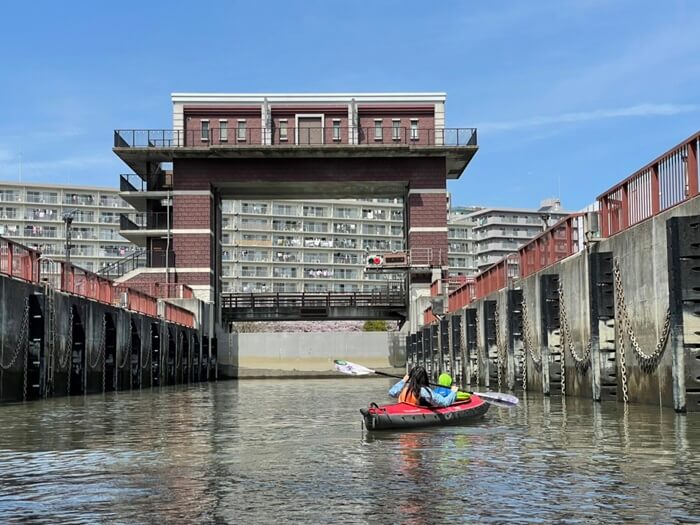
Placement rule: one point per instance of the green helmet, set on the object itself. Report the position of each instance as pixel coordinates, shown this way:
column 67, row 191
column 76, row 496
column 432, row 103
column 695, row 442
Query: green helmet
column 445, row 380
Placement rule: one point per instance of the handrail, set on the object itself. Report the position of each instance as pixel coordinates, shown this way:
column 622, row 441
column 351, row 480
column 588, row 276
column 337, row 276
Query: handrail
column 668, row 180
column 19, row 261
column 554, row 244
column 314, row 300
column 314, row 136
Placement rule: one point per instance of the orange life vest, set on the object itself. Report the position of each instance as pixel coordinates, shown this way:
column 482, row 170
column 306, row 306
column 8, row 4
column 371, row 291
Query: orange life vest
column 407, row 396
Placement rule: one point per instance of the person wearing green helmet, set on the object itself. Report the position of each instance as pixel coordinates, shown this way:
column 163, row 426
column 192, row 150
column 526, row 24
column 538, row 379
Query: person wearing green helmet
column 445, row 382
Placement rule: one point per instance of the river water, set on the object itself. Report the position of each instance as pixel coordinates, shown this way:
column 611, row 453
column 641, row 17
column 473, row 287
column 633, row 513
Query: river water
column 293, row 451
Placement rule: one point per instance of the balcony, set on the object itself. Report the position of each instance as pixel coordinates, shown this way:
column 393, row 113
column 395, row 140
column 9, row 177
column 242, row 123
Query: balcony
column 325, row 136
column 137, row 227
column 142, row 149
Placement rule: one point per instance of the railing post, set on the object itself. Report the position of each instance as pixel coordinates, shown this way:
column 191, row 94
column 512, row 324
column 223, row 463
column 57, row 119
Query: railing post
column 692, row 168
column 655, row 193
column 604, row 217
column 624, row 208
column 10, row 264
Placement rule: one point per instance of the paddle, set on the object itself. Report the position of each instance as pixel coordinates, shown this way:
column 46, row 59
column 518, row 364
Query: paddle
column 495, row 398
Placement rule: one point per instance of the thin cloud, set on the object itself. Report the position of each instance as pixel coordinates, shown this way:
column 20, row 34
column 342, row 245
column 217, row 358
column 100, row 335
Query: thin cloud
column 640, row 110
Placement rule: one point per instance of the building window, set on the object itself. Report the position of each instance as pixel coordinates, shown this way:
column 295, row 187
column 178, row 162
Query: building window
column 396, row 129
column 336, row 129
column 414, row 129
column 240, row 131
column 205, row 130
column 283, row 129
column 378, row 129
column 223, row 130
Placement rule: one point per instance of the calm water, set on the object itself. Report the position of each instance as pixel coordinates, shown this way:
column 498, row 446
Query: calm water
column 219, row 453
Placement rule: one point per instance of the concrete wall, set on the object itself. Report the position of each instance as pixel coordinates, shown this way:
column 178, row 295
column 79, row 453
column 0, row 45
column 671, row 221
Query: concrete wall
column 642, row 255
column 306, row 353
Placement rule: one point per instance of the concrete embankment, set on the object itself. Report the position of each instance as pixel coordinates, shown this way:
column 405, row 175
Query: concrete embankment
column 616, row 321
column 308, row 354
column 56, row 344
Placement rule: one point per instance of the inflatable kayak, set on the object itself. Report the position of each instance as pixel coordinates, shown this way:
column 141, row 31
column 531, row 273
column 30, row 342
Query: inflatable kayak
column 404, row 415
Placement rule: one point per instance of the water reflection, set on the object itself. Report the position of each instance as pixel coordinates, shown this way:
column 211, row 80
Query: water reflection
column 294, row 452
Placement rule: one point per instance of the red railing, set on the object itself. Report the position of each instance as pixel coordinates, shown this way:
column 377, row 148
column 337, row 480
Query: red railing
column 667, row 181
column 428, row 316
column 86, row 284
column 462, row 296
column 435, row 288
column 19, row 261
column 163, row 290
column 176, row 314
column 556, row 243
column 137, row 301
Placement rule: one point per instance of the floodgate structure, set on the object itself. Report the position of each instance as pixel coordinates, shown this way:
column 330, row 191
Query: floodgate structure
column 602, row 305
column 225, row 146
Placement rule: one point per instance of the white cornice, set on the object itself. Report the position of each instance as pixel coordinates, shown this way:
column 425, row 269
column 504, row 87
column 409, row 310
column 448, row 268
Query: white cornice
column 295, row 98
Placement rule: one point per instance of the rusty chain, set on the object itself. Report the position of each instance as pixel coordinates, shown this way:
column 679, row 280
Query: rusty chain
column 650, row 361
column 582, row 362
column 127, row 351
column 501, row 351
column 527, row 339
column 22, row 339
column 478, row 348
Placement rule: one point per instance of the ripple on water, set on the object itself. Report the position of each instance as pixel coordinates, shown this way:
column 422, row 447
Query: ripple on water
column 294, row 452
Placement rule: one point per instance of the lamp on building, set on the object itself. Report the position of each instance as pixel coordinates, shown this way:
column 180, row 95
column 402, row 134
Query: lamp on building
column 545, row 218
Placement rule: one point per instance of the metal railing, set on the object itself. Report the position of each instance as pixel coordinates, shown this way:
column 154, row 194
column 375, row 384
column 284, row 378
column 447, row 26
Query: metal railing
column 314, row 136
column 668, row 180
column 19, row 261
column 379, row 299
column 151, row 220
column 137, row 301
column 179, row 315
column 556, row 243
column 125, row 265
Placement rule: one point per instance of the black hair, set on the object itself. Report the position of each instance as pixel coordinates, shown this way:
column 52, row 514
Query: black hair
column 417, row 379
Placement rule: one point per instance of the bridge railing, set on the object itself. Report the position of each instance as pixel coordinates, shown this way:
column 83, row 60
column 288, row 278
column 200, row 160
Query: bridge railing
column 668, row 180
column 19, row 261
column 314, row 300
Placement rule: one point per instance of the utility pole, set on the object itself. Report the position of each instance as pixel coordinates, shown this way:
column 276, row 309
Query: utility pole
column 68, row 220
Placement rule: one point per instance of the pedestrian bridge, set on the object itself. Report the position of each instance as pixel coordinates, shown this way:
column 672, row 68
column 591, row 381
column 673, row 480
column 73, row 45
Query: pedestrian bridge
column 328, row 306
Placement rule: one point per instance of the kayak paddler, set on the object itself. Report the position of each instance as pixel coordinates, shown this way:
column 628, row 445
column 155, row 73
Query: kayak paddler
column 415, row 390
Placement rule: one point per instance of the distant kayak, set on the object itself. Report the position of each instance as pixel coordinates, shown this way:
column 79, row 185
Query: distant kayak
column 404, row 415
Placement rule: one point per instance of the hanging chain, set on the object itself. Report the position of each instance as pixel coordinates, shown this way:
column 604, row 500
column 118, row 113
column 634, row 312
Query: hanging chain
column 648, row 362
column 500, row 358
column 582, row 362
column 466, row 365
column 478, row 349
column 22, row 340
column 67, row 361
column 103, row 337
column 127, row 351
column 527, row 339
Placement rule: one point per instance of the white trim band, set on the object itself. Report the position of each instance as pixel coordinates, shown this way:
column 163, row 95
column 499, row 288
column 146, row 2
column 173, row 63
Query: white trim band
column 427, row 229
column 181, row 231
column 435, row 190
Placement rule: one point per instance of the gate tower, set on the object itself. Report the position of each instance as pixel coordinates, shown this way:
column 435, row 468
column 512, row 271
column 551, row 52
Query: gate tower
column 276, row 146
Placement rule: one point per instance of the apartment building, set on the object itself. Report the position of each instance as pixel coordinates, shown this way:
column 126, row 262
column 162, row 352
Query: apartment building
column 271, row 245
column 33, row 214
column 308, row 246
column 480, row 237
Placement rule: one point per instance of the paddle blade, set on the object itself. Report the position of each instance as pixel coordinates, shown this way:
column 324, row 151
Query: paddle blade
column 499, row 399
column 353, row 369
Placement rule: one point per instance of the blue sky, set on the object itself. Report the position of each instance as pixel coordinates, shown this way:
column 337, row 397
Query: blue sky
column 569, row 96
